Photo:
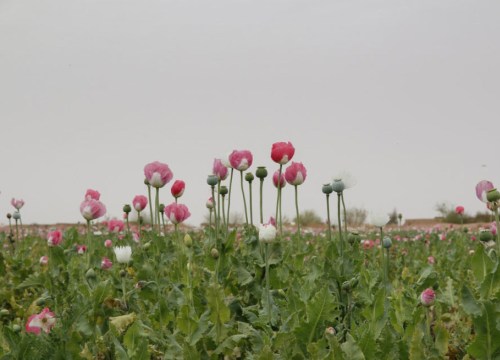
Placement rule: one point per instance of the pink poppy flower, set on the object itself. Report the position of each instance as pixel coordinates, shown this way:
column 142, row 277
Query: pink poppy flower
column 427, row 297
column 115, row 225
column 493, row 228
column 177, row 213
column 272, row 221
column 54, row 238
column 296, row 173
column 158, row 174
column 45, row 321
column 44, row 260
column 92, row 209
column 140, row 202
column 108, row 243
column 482, row 188
column 210, row 203
column 219, row 169
column 431, row 260
column 106, row 264
column 92, row 194
column 178, row 188
column 459, row 210
column 282, row 181
column 81, row 249
column 17, row 203
column 241, row 159
column 282, row 152
column 136, row 237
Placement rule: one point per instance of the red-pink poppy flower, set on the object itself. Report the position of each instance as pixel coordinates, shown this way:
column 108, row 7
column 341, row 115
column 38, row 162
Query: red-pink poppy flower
column 282, row 152
column 140, row 202
column 92, row 209
column 81, row 249
column 106, row 264
column 54, row 238
column 115, row 225
column 108, row 243
column 17, row 203
column 296, row 173
column 459, row 210
column 44, row 260
column 45, row 321
column 92, row 194
column 177, row 213
column 282, row 181
column 427, row 297
column 178, row 188
column 210, row 203
column 241, row 159
column 219, row 169
column 431, row 260
column 482, row 188
column 158, row 174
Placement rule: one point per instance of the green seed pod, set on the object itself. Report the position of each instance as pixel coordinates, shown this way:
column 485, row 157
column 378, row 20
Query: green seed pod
column 212, row 180
column 338, row 186
column 215, row 253
column 387, row 242
column 223, row 190
column 493, row 195
column 485, row 235
column 16, row 328
column 127, row 208
column 161, row 208
column 123, row 273
column 249, row 177
column 327, row 189
column 261, row 172
column 9, row 215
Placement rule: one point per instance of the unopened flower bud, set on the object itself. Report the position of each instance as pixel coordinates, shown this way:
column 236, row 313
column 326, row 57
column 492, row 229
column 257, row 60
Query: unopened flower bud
column 146, row 182
column 427, row 297
column 330, row 331
column 188, row 241
column 123, row 273
column 9, row 215
column 249, row 177
column 161, row 208
column 212, row 180
column 338, row 186
column 90, row 274
column 353, row 237
column 386, row 242
column 223, row 190
column 215, row 253
column 327, row 189
column 16, row 328
column 261, row 172
column 127, row 208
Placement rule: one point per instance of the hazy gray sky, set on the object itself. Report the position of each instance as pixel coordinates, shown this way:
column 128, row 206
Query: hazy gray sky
column 402, row 94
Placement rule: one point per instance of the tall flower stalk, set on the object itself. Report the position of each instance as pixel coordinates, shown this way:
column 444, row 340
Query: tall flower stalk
column 244, row 198
column 151, row 213
column 229, row 201
column 261, row 173
column 338, row 186
column 295, row 175
column 327, row 190
column 279, row 182
column 267, row 234
column 157, row 175
column 281, row 153
column 249, row 178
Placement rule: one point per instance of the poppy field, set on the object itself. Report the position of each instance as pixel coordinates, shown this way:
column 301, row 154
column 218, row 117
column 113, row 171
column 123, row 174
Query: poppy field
column 157, row 289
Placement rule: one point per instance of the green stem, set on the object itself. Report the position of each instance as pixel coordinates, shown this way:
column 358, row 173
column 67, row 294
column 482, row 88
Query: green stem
column 152, row 219
column 278, row 202
column 17, row 232
column 218, row 201
column 223, row 211
column 229, row 201
column 328, row 217
column 498, row 232
column 21, row 223
column 128, row 227
column 297, row 210
column 261, row 190
column 341, row 241
column 216, row 216
column 124, row 293
column 157, row 211
column 251, row 202
column 386, row 268
column 139, row 224
column 268, row 292
column 88, row 244
column 345, row 212
column 244, row 199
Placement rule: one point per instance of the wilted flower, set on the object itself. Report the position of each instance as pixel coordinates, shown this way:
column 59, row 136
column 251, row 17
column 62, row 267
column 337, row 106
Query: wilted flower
column 123, row 254
column 122, row 322
column 347, row 179
column 427, row 297
column 45, row 321
column 106, row 263
column 482, row 189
